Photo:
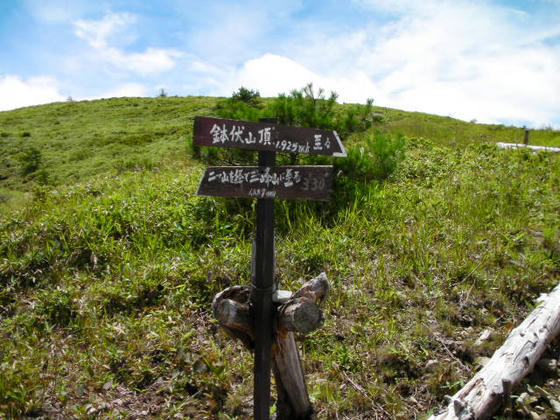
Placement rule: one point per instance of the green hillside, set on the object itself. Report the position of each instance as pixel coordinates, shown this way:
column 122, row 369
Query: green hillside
column 78, row 140
column 109, row 262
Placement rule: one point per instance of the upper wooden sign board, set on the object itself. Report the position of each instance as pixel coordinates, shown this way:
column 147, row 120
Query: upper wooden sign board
column 266, row 137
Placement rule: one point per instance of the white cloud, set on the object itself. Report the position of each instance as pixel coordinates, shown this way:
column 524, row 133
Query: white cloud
column 100, row 33
column 97, row 32
column 16, row 92
column 471, row 62
column 272, row 74
column 419, row 73
column 468, row 59
column 464, row 59
column 153, row 60
column 424, row 7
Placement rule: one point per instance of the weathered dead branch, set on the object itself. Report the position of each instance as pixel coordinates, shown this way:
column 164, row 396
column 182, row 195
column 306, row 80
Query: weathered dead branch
column 517, row 357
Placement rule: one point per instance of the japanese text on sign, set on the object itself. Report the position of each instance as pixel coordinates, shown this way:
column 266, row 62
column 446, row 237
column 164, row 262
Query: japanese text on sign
column 222, row 135
column 250, row 135
column 304, row 182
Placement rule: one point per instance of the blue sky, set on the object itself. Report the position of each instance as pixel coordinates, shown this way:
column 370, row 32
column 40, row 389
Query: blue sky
column 494, row 61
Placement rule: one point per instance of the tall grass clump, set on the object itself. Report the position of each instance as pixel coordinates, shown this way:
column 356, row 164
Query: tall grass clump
column 374, row 158
column 30, row 159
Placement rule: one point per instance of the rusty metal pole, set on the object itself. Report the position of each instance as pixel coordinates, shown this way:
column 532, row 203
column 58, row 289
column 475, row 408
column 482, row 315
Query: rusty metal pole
column 263, row 283
column 526, row 139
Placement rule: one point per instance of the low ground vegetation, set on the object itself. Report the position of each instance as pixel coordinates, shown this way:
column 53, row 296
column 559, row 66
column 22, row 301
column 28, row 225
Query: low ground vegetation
column 108, row 268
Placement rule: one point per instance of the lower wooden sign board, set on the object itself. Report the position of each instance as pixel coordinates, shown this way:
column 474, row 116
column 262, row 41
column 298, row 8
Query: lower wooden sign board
column 283, row 182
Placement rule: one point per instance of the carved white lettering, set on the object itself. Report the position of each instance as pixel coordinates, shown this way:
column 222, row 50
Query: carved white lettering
column 318, row 145
column 219, row 134
column 236, row 133
column 264, row 136
column 288, row 178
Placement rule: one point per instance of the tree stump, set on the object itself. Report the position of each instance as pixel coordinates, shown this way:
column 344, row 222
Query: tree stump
column 301, row 313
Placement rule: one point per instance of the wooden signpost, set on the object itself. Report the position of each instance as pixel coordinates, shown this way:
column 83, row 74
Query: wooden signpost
column 250, row 313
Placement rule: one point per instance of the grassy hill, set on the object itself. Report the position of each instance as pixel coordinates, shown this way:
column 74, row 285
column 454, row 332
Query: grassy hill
column 78, row 140
column 109, row 262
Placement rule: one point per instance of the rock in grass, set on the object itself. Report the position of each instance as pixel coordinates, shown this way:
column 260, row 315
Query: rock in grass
column 431, row 364
column 483, row 337
column 522, row 399
column 555, row 405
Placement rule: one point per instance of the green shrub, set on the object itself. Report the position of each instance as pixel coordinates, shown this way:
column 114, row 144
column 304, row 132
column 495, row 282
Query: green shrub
column 244, row 104
column 42, row 177
column 29, row 160
column 250, row 97
column 375, row 158
column 306, row 108
column 238, row 110
column 56, row 306
column 368, row 163
column 357, row 118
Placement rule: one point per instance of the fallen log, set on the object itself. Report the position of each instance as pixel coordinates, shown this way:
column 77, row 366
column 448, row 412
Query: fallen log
column 300, row 313
column 517, row 357
column 529, row 146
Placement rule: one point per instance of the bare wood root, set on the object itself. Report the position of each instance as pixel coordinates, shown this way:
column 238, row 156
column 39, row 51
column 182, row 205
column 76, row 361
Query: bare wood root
column 302, row 313
column 293, row 399
column 315, row 290
column 302, row 317
column 517, row 357
column 231, row 308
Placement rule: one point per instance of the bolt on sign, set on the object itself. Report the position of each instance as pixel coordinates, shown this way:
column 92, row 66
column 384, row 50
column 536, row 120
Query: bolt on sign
column 265, row 183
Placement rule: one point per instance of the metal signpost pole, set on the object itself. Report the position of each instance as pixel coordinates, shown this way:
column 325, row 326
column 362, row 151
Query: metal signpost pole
column 263, row 283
